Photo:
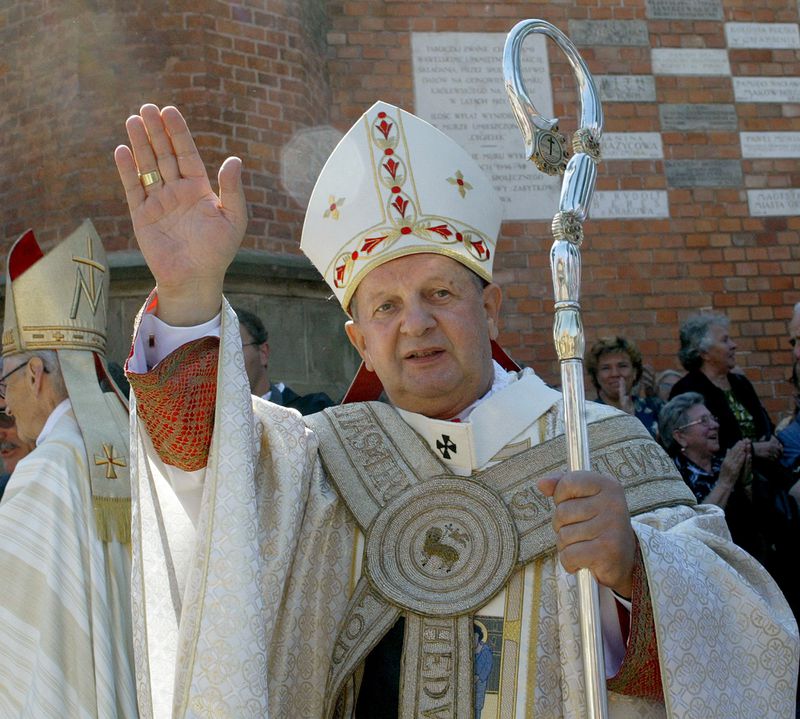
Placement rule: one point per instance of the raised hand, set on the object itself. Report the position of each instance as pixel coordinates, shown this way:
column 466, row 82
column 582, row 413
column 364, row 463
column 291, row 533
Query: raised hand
column 188, row 234
column 625, row 399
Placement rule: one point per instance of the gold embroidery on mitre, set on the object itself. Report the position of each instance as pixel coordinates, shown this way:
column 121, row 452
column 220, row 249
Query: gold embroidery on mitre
column 460, row 183
column 333, row 207
column 93, row 293
column 72, row 313
column 447, row 236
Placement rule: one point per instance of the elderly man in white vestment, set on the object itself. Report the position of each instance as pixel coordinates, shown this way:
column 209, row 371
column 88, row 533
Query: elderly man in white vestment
column 66, row 645
column 344, row 566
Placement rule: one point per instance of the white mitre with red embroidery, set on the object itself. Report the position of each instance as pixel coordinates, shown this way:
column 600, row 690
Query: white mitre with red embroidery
column 396, row 186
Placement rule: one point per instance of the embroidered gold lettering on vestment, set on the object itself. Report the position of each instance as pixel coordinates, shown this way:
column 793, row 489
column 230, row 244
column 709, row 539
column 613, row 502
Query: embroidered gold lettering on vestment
column 440, row 547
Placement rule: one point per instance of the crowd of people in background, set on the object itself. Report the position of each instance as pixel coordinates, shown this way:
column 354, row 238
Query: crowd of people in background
column 713, row 425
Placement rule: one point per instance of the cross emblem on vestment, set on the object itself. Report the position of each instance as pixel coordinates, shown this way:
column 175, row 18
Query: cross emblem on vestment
column 445, row 446
column 109, row 460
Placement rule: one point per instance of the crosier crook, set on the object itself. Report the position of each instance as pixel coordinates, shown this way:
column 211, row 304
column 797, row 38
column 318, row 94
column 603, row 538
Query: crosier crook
column 546, row 147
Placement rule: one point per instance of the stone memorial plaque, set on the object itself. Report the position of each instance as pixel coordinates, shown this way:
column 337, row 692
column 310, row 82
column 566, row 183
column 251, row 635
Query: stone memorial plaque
column 632, row 146
column 763, row 35
column 689, row 61
column 766, row 89
column 683, row 9
column 768, row 203
column 770, row 144
column 458, row 87
column 629, row 204
column 626, row 88
column 631, row 33
column 698, row 117
column 703, row 173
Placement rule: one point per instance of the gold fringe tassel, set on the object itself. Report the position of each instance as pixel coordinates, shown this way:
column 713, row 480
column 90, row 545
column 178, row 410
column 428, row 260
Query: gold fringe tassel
column 113, row 518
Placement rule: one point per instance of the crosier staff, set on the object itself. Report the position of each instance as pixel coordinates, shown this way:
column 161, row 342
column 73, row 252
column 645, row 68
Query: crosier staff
column 546, row 147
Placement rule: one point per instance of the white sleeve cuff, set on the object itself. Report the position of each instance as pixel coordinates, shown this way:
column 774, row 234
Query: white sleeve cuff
column 156, row 339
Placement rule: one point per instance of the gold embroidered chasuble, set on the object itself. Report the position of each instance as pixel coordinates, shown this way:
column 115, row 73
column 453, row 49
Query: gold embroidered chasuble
column 237, row 609
column 65, row 628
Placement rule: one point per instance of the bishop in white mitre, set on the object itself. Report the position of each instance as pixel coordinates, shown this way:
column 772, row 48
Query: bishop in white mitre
column 66, row 646
column 413, row 558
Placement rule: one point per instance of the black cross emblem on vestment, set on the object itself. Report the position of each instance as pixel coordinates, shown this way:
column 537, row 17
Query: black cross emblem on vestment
column 446, row 446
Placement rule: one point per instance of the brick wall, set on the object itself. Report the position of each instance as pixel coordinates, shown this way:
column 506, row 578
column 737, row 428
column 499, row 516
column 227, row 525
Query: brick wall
column 640, row 278
column 250, row 74
column 247, row 75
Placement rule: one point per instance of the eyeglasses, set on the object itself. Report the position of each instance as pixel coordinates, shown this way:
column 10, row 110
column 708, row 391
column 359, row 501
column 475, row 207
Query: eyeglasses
column 706, row 420
column 6, row 376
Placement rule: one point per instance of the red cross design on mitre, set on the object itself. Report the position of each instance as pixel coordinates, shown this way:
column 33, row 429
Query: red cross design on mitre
column 402, row 209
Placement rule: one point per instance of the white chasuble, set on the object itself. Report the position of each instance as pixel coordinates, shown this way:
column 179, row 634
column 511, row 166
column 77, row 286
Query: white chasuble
column 65, row 630
column 237, row 609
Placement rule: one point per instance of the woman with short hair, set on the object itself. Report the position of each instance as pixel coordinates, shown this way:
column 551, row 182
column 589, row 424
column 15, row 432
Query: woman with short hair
column 708, row 353
column 615, row 367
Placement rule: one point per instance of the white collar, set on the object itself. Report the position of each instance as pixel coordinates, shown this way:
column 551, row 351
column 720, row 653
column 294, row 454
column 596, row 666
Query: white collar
column 61, row 409
column 268, row 396
column 514, row 402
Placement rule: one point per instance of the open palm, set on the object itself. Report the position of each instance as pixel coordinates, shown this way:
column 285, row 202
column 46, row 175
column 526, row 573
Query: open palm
column 188, row 235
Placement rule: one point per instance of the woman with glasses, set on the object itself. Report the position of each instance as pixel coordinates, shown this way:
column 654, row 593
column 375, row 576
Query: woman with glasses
column 761, row 522
column 690, row 434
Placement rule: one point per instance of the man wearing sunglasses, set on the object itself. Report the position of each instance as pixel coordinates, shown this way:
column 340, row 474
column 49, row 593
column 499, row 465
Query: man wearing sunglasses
column 65, row 622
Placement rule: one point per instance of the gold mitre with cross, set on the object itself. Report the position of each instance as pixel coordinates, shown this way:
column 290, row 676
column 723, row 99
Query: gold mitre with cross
column 59, row 301
column 397, row 186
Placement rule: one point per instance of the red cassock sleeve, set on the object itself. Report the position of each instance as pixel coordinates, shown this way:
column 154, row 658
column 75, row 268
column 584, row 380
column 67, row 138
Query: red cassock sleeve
column 640, row 673
column 176, row 402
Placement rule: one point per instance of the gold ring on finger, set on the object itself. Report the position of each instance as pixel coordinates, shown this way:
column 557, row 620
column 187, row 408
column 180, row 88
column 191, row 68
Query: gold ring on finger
column 149, row 178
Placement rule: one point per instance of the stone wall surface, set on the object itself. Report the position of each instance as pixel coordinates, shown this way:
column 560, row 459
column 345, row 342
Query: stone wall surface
column 707, row 206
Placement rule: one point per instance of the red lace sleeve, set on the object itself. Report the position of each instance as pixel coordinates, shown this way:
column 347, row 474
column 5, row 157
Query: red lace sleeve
column 640, row 673
column 176, row 402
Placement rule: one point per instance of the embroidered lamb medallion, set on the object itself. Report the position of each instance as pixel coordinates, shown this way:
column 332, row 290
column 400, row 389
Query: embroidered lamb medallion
column 442, row 548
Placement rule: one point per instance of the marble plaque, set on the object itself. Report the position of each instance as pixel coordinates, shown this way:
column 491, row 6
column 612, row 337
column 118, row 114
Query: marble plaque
column 763, row 35
column 626, row 88
column 629, row 204
column 703, row 173
column 766, row 89
column 770, row 144
column 768, row 203
column 683, row 9
column 698, row 117
column 587, row 33
column 459, row 88
column 689, row 61
column 632, row 146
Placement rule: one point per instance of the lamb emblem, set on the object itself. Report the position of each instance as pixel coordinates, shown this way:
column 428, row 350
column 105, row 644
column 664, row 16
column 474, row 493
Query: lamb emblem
column 447, row 554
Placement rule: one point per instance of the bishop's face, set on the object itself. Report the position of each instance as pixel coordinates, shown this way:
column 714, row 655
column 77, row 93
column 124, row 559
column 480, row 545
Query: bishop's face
column 424, row 325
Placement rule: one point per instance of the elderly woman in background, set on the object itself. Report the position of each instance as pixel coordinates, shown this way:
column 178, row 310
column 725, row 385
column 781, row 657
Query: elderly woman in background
column 615, row 366
column 762, row 516
column 690, row 434
column 708, row 353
